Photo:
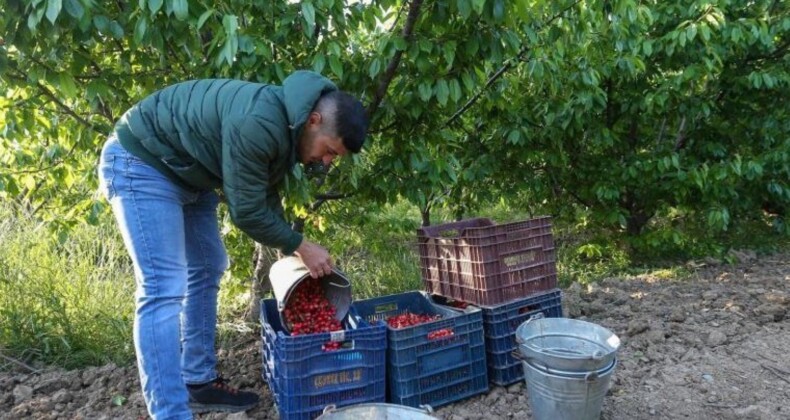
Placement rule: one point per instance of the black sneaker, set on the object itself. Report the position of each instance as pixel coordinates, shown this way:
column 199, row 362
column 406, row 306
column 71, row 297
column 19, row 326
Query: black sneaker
column 217, row 395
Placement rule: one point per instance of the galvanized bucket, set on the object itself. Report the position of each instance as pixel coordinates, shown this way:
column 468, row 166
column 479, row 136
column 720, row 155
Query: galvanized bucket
column 375, row 411
column 286, row 274
column 562, row 395
column 566, row 344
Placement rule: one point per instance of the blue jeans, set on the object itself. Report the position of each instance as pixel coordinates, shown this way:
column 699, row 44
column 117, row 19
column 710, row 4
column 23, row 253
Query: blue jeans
column 172, row 235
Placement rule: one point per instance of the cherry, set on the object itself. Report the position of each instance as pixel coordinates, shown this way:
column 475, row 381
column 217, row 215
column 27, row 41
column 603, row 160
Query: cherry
column 309, row 312
column 408, row 319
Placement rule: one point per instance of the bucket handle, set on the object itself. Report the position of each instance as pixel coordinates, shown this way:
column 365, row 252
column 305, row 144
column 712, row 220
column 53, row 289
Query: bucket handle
column 537, row 316
column 342, row 276
column 427, row 408
column 348, row 284
column 332, row 407
column 589, row 377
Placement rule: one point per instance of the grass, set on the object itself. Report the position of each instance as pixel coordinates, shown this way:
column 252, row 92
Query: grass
column 64, row 302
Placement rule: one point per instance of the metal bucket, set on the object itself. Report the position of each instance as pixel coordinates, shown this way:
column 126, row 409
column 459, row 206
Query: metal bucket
column 566, row 344
column 562, row 395
column 286, row 274
column 375, row 411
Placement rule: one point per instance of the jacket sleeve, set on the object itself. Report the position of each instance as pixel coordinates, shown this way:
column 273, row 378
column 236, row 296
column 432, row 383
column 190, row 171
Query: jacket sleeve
column 248, row 147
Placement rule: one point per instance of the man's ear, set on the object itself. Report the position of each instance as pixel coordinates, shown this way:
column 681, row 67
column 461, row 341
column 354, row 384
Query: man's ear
column 314, row 118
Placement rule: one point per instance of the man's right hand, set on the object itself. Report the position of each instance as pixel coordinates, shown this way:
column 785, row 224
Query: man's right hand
column 315, row 257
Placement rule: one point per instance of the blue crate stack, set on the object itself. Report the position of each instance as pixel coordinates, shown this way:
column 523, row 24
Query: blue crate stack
column 430, row 371
column 304, row 378
column 500, row 323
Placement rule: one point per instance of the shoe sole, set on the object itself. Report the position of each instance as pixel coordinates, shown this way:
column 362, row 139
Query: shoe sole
column 225, row 408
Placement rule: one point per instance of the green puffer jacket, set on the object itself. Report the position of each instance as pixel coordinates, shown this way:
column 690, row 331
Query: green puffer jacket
column 230, row 134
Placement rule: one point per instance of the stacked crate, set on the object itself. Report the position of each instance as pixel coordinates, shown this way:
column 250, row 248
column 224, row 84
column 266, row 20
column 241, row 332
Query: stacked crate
column 425, row 368
column 508, row 270
column 304, row 378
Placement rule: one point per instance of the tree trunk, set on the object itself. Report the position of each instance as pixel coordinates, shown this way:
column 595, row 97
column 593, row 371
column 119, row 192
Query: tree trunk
column 263, row 257
column 426, row 216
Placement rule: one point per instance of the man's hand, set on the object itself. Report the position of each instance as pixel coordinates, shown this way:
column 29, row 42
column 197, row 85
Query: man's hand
column 315, row 257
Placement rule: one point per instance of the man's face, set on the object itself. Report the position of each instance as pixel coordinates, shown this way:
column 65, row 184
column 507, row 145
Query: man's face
column 316, row 146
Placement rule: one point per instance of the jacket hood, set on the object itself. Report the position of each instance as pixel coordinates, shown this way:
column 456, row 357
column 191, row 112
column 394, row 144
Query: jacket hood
column 301, row 91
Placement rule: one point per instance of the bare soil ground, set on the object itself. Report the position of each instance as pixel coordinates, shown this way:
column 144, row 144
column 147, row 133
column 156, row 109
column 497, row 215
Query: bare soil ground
column 712, row 346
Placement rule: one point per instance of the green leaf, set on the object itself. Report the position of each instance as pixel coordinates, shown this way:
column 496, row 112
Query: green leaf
column 469, row 83
column 74, row 8
column 102, row 23
column 118, row 400
column 319, row 62
column 647, row 47
column 425, row 45
column 154, row 6
column 231, row 25
column 455, row 90
column 139, row 30
column 442, row 92
column 499, row 10
column 375, row 67
column 204, row 17
column 464, row 8
column 424, row 64
column 705, row 30
column 32, row 22
column 181, row 9
column 425, row 91
column 514, row 137
column 334, row 64
column 735, row 34
column 478, row 6
column 116, row 30
column 399, row 43
column 691, row 32
column 449, row 52
column 308, row 12
column 471, row 46
column 53, row 9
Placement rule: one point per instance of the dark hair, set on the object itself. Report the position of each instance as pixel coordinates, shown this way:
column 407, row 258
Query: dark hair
column 346, row 118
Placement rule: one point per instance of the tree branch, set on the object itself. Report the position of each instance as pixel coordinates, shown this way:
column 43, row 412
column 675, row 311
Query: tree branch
column 389, row 73
column 680, row 140
column 477, row 96
column 48, row 93
column 298, row 225
column 503, row 69
column 661, row 132
column 397, row 18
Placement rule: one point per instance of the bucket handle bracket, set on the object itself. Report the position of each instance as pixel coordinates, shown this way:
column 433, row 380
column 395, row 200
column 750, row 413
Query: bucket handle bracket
column 535, row 317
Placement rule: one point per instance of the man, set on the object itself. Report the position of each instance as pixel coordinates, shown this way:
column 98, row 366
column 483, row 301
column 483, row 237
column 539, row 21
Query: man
column 159, row 171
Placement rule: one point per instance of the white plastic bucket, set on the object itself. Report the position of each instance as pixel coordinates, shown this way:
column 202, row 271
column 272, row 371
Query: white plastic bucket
column 287, row 273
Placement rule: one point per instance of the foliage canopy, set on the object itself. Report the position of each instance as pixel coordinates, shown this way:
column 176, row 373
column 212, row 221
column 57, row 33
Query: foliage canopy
column 665, row 123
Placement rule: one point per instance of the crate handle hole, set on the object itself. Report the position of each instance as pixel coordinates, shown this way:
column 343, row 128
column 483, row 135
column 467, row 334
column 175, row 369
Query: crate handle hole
column 520, row 259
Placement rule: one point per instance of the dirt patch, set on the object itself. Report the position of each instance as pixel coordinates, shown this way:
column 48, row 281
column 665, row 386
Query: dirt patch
column 713, row 346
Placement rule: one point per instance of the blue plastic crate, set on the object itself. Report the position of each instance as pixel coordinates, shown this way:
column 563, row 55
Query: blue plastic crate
column 500, row 323
column 506, row 375
column 460, row 373
column 448, row 394
column 502, row 320
column 422, row 370
column 304, row 378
